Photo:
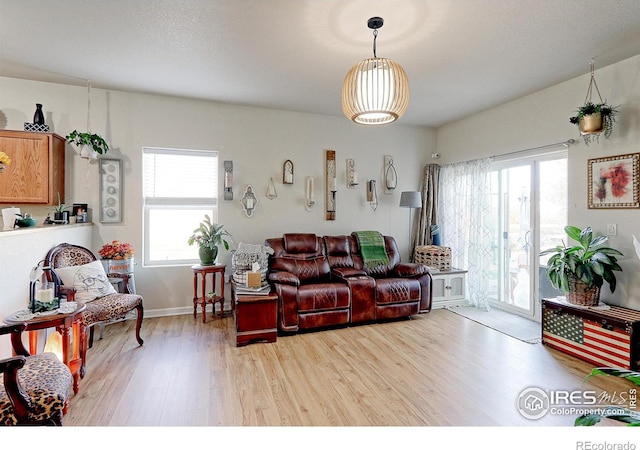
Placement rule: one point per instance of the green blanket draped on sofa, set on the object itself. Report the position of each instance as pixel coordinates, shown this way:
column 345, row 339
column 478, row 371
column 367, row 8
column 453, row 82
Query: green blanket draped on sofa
column 372, row 248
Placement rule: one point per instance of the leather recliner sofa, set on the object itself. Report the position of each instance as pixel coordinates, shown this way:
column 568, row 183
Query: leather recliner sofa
column 322, row 282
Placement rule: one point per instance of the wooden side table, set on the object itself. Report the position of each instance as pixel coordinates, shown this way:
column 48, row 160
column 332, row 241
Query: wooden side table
column 203, row 299
column 66, row 324
column 256, row 317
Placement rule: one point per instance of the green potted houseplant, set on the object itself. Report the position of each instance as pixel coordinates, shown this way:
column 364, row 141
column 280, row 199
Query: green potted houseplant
column 60, row 213
column 619, row 412
column 89, row 144
column 209, row 236
column 594, row 119
column 581, row 270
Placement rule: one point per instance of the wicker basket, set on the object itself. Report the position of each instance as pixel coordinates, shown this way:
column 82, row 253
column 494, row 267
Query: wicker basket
column 581, row 294
column 433, row 256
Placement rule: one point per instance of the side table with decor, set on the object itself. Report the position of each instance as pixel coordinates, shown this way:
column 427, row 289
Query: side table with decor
column 66, row 321
column 256, row 315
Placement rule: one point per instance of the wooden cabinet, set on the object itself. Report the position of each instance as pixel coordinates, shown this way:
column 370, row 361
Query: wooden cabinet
column 256, row 317
column 449, row 287
column 36, row 173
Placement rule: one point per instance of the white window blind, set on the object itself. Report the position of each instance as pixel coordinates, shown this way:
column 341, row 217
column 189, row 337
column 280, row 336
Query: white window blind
column 179, row 188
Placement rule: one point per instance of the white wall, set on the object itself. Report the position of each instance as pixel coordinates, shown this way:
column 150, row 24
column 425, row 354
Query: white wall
column 543, row 118
column 257, row 140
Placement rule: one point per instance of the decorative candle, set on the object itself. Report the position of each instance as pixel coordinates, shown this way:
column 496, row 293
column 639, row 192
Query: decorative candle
column 44, row 295
column 288, row 177
column 249, row 203
column 333, row 184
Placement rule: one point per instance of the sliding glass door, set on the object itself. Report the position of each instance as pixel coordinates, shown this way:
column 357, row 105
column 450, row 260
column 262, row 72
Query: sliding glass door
column 528, row 213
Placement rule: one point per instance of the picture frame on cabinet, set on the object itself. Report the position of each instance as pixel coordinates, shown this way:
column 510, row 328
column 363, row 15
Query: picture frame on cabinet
column 110, row 190
column 613, row 182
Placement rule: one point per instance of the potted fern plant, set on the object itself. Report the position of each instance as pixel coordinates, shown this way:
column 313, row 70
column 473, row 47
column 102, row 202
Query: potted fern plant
column 581, row 270
column 209, row 236
column 89, row 144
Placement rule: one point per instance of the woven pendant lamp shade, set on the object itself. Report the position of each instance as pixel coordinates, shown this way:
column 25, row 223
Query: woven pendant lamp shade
column 375, row 92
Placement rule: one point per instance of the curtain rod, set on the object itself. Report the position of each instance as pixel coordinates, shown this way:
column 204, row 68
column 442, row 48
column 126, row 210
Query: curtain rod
column 565, row 144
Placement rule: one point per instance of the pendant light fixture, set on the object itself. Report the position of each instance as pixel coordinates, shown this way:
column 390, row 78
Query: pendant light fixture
column 376, row 90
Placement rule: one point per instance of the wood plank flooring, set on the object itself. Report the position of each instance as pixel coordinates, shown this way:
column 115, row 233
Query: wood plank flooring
column 437, row 369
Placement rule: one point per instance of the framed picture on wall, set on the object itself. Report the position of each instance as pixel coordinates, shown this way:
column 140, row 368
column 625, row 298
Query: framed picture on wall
column 612, row 182
column 110, row 190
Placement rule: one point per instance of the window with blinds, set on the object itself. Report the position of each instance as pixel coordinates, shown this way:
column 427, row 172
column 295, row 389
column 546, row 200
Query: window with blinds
column 179, row 188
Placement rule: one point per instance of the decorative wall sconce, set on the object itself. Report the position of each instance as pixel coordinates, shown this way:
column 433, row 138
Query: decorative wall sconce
column 352, row 175
column 308, row 195
column 330, row 185
column 372, row 195
column 287, row 172
column 271, row 190
column 249, row 201
column 228, row 180
column 390, row 175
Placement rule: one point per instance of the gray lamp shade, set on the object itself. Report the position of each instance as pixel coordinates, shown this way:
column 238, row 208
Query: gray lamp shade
column 411, row 199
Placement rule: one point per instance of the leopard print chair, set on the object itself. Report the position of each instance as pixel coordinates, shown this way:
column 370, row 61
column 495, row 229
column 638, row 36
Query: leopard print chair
column 36, row 388
column 104, row 309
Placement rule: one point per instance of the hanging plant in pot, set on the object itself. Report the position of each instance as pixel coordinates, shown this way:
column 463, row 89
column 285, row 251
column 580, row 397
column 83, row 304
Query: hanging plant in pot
column 581, row 270
column 209, row 236
column 594, row 119
column 89, row 144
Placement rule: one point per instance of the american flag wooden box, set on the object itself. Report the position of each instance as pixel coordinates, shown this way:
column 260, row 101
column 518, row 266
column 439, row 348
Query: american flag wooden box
column 602, row 337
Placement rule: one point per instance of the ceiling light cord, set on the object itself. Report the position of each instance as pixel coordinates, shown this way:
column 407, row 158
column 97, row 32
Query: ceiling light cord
column 375, row 36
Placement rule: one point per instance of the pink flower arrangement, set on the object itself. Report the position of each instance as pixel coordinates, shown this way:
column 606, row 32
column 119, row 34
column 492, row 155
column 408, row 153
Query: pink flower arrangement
column 117, row 250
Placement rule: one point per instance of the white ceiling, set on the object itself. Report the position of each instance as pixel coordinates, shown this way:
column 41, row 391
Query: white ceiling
column 461, row 56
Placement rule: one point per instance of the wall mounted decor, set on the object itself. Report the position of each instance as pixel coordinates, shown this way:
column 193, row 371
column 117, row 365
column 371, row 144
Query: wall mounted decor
column 110, row 190
column 249, row 201
column 613, row 182
column 310, row 200
column 228, row 180
column 352, row 175
column 287, row 172
column 372, row 195
column 330, row 184
column 390, row 175
column 271, row 190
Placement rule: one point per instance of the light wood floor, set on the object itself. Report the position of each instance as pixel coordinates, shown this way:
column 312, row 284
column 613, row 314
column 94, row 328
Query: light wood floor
column 435, row 369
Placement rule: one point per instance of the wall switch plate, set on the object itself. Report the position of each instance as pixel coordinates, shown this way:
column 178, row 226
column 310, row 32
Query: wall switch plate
column 612, row 229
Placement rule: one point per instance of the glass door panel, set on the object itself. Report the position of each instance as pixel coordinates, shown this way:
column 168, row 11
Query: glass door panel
column 529, row 210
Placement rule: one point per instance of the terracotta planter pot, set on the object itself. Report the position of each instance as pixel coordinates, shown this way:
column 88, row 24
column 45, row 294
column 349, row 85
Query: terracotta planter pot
column 592, row 124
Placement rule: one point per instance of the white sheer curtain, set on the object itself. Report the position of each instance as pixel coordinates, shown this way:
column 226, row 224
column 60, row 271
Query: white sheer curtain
column 464, row 207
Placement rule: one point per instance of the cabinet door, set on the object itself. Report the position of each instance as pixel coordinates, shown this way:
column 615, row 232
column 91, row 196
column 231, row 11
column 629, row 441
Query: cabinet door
column 439, row 287
column 36, row 172
column 457, row 286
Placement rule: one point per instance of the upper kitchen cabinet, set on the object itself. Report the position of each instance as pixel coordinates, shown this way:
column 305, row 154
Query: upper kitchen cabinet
column 36, row 173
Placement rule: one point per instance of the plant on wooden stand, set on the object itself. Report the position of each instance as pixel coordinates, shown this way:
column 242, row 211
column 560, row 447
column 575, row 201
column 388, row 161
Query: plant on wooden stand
column 209, row 236
column 581, row 270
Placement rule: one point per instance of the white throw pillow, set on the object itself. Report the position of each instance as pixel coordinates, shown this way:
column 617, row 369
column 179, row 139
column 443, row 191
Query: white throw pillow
column 90, row 280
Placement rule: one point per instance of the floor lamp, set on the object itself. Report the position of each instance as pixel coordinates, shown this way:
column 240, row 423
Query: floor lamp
column 411, row 200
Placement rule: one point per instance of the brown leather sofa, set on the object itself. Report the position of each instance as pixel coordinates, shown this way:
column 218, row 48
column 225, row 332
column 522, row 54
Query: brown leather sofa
column 322, row 282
